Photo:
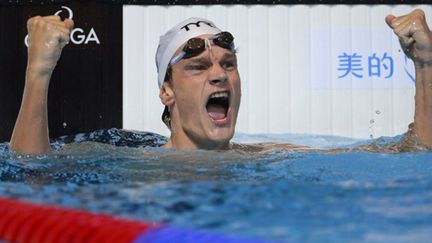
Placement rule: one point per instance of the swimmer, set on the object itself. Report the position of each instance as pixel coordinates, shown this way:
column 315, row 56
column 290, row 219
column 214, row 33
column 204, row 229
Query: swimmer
column 199, row 82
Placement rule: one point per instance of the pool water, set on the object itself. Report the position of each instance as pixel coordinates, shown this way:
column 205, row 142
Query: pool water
column 274, row 195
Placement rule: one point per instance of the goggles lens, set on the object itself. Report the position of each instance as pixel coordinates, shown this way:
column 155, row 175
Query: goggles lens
column 196, row 46
column 224, row 40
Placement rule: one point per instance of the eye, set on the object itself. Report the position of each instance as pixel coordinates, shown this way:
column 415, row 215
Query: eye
column 229, row 64
column 198, row 67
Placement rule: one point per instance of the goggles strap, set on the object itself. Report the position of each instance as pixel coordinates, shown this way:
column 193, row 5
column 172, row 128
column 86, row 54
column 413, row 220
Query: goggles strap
column 177, row 58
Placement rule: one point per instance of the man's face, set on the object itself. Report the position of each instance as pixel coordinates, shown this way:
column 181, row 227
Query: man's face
column 206, row 91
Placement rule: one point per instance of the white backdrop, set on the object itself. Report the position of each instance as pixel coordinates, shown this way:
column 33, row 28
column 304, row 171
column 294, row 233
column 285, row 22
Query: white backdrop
column 315, row 69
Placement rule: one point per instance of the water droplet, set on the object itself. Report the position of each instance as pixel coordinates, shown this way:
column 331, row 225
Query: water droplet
column 64, row 124
column 370, row 135
column 378, row 112
column 372, row 121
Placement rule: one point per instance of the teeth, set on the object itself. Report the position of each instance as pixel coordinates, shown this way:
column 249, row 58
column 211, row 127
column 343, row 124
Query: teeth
column 219, row 95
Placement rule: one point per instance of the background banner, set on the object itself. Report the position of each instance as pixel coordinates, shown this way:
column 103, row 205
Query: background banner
column 309, row 69
column 86, row 86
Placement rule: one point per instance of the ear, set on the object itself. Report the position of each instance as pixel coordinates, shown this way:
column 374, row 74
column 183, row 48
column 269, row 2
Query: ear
column 166, row 94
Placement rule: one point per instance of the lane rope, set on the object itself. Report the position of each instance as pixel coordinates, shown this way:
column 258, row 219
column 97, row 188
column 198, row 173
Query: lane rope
column 32, row 223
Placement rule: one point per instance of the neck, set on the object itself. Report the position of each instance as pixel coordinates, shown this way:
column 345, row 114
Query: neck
column 178, row 141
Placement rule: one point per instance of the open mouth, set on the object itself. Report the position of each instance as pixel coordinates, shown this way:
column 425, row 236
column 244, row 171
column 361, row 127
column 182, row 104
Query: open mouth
column 217, row 105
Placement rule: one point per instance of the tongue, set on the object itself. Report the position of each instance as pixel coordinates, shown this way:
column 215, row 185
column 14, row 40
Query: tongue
column 216, row 111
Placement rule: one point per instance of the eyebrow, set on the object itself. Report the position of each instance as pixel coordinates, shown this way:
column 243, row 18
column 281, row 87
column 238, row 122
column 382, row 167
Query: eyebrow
column 229, row 57
column 226, row 56
column 200, row 59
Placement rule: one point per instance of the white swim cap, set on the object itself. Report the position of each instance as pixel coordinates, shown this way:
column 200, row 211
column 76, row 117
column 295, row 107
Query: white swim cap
column 176, row 37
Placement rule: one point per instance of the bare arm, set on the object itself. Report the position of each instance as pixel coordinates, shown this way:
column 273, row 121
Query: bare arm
column 416, row 41
column 47, row 37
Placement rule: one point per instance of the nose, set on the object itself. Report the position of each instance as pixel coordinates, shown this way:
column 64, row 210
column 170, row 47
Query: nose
column 218, row 75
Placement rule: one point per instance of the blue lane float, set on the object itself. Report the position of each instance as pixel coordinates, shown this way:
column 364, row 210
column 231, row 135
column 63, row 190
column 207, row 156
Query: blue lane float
column 169, row 234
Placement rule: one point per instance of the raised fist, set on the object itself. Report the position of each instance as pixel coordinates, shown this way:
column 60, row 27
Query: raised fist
column 414, row 36
column 46, row 38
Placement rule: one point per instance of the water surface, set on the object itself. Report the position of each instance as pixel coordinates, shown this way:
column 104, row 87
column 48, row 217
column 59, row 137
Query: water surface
column 276, row 195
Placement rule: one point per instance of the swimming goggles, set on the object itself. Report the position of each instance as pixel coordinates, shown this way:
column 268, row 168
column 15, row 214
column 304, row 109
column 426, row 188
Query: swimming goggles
column 196, row 46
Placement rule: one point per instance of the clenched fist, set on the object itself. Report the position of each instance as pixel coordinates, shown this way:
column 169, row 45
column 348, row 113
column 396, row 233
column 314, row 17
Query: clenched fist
column 414, row 36
column 46, row 38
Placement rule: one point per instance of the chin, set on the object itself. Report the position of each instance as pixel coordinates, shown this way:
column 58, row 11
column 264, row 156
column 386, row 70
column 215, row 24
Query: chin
column 220, row 137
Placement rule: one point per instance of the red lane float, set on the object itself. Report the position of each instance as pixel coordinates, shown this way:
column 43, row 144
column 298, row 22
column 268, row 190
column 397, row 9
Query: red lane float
column 25, row 222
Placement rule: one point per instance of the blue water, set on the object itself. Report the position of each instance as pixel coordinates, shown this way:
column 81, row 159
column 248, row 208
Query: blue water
column 286, row 196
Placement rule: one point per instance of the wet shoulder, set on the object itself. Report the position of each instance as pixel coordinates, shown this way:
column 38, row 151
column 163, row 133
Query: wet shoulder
column 269, row 146
column 114, row 136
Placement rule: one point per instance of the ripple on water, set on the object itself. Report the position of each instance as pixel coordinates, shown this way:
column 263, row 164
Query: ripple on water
column 304, row 197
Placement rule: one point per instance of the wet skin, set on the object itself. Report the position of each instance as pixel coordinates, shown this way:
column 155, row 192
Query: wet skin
column 193, row 81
